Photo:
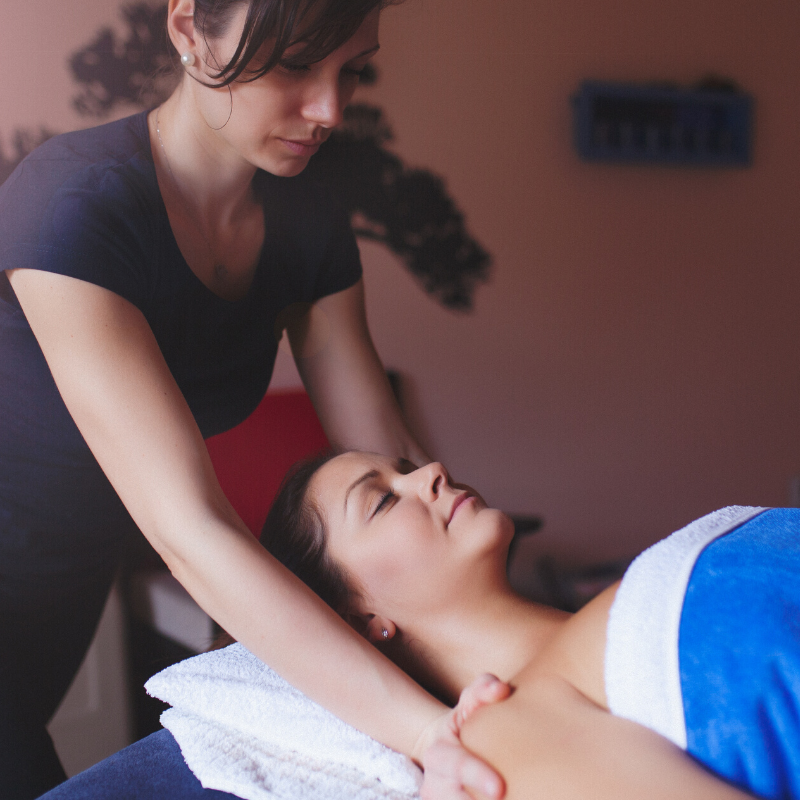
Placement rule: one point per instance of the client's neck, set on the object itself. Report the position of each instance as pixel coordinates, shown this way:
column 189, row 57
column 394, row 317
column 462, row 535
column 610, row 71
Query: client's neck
column 501, row 632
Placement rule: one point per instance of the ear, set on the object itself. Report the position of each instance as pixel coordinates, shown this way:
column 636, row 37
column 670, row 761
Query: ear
column 180, row 26
column 380, row 630
column 371, row 626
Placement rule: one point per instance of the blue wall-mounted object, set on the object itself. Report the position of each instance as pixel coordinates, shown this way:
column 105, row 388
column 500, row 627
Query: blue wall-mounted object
column 655, row 124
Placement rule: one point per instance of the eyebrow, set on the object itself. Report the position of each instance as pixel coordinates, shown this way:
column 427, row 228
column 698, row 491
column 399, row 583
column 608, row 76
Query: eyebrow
column 367, row 476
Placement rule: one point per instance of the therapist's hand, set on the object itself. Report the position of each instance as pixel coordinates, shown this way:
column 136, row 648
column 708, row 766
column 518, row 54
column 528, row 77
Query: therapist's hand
column 450, row 769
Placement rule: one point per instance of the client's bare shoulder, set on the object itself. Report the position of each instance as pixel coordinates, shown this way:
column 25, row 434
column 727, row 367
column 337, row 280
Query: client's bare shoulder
column 577, row 652
column 555, row 739
column 554, row 696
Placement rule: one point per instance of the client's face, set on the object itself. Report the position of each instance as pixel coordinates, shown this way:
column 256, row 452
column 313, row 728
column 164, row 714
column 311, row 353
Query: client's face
column 412, row 539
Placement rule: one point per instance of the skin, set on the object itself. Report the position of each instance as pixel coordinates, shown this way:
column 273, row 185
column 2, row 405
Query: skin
column 434, row 578
column 215, row 139
column 114, row 381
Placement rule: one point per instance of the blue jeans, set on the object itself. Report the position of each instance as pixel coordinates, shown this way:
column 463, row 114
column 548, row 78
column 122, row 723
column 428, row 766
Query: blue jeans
column 150, row 769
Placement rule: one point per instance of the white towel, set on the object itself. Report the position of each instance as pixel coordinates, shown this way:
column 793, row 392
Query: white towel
column 243, row 729
column 642, row 669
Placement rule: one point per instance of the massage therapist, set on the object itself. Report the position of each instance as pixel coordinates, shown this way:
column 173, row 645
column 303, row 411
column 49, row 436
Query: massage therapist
column 145, row 266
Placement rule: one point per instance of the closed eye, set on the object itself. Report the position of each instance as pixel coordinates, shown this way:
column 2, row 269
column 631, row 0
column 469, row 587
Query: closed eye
column 385, row 499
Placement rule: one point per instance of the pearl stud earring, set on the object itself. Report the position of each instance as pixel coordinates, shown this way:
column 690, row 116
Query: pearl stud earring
column 187, row 59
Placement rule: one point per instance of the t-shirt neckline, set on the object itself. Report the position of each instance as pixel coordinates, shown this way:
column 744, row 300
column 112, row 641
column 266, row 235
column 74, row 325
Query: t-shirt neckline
column 143, row 132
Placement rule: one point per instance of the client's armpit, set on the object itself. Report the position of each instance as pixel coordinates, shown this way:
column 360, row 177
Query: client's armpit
column 550, row 742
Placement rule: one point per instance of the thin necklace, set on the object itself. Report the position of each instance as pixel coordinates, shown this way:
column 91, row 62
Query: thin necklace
column 220, row 270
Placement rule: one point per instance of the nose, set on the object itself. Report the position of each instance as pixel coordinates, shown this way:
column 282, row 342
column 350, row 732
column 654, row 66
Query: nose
column 325, row 102
column 430, row 480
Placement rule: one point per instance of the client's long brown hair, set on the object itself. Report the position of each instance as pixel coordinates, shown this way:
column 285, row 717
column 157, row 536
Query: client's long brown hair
column 294, row 532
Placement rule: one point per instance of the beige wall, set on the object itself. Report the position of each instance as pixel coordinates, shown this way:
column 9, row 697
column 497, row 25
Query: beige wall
column 633, row 362
column 36, row 39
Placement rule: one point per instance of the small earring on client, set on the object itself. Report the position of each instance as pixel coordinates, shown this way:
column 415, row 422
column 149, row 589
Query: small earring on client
column 384, row 633
column 187, row 59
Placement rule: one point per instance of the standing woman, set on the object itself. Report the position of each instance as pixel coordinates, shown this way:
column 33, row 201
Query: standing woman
column 145, row 268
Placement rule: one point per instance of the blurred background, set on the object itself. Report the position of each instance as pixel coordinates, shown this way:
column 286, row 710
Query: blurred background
column 631, row 362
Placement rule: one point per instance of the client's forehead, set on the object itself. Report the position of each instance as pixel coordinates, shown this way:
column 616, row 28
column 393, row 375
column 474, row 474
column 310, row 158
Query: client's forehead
column 354, row 462
column 334, row 477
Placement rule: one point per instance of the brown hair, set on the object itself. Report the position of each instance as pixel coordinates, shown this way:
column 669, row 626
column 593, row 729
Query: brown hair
column 295, row 533
column 322, row 26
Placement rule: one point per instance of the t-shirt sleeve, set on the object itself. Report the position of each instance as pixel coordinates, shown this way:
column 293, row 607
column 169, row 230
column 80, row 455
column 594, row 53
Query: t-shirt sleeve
column 92, row 225
column 341, row 264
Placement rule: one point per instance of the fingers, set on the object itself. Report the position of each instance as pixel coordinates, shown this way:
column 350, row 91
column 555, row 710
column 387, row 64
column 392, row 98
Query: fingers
column 479, row 777
column 482, row 691
column 451, row 771
column 489, row 688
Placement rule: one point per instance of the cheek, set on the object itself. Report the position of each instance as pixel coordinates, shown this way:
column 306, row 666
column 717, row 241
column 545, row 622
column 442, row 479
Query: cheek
column 347, row 91
column 388, row 574
column 259, row 110
column 405, row 576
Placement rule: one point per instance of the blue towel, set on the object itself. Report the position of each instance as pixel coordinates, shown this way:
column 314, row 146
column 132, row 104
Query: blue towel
column 740, row 655
column 703, row 646
column 736, row 654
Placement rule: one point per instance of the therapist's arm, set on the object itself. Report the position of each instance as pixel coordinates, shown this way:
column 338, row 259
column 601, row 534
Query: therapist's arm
column 117, row 387
column 347, row 383
column 345, row 378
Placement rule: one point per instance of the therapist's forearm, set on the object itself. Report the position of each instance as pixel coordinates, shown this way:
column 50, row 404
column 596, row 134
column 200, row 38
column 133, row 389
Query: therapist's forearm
column 346, row 380
column 383, row 429
column 116, row 385
column 292, row 630
column 362, row 412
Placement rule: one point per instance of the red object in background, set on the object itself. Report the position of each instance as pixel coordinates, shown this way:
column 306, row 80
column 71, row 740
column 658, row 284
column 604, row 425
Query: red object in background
column 251, row 459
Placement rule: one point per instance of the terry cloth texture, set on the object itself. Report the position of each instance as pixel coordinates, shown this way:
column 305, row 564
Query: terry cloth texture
column 642, row 674
column 742, row 700
column 243, row 729
column 704, row 646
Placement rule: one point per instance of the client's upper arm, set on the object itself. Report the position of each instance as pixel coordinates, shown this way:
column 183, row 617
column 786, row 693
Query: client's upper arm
column 550, row 742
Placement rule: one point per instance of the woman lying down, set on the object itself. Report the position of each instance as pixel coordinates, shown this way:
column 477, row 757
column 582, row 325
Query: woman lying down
column 417, row 563
column 681, row 681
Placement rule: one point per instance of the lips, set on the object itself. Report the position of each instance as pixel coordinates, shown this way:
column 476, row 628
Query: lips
column 302, row 147
column 462, row 498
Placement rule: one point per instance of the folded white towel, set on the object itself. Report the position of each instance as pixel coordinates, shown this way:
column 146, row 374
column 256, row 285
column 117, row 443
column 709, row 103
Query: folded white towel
column 243, row 729
column 642, row 669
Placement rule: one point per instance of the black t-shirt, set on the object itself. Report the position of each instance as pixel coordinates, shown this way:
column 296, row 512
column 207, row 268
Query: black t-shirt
column 87, row 205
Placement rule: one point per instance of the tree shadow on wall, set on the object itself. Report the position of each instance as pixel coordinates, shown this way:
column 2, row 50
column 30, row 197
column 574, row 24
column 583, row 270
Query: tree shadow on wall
column 23, row 141
column 407, row 210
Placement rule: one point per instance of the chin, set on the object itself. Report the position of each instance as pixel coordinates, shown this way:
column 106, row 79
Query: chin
column 286, row 170
column 498, row 527
column 279, row 164
column 507, row 524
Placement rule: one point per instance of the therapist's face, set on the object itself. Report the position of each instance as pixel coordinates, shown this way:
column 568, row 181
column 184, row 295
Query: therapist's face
column 279, row 121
